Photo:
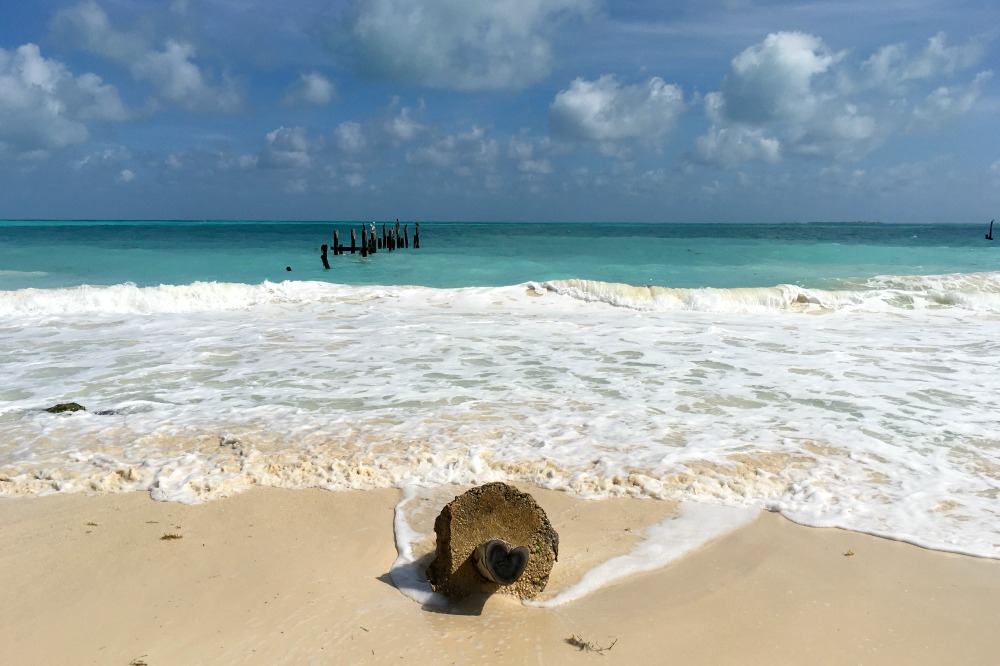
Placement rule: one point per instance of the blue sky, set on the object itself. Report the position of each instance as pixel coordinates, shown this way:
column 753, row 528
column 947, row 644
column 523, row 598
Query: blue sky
column 563, row 110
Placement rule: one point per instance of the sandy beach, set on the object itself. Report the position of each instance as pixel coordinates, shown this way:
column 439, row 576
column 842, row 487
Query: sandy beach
column 302, row 577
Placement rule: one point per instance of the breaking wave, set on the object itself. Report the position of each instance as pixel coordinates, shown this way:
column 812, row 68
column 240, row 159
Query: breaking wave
column 977, row 292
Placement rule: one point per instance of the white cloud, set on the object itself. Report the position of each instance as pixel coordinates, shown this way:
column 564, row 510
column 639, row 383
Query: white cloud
column 459, row 152
column 43, row 106
column 312, row 89
column 403, row 127
column 525, row 154
column 174, row 77
column 604, row 110
column 460, row 44
column 891, row 66
column 730, row 146
column 945, row 104
column 847, row 134
column 812, row 102
column 772, row 80
column 180, row 82
column 112, row 156
column 350, row 138
column 86, row 26
column 125, row 176
column 286, row 148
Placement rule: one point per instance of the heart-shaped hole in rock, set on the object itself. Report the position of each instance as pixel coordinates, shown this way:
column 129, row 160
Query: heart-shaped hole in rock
column 500, row 563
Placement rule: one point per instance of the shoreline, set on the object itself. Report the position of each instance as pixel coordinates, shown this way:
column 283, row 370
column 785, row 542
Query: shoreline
column 302, row 576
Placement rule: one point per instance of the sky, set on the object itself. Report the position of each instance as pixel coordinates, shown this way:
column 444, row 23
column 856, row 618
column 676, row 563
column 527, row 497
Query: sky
column 496, row 110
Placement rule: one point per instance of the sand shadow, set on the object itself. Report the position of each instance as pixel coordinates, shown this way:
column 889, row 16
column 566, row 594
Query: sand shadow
column 472, row 605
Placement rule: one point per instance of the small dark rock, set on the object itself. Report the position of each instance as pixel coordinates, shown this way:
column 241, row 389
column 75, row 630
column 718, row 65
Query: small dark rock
column 66, row 407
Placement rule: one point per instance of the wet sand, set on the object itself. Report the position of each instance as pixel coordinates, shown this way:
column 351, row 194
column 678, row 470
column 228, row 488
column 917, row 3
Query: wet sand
column 302, row 577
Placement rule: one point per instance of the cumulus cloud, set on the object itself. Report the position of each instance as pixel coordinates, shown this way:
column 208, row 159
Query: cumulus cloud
column 349, row 138
column 729, row 146
column 790, row 95
column 44, row 107
column 945, row 103
column 181, row 83
column 403, row 127
column 529, row 156
column 843, row 134
column 87, row 26
column 605, row 110
column 772, row 80
column 311, row 89
column 460, row 44
column 892, row 66
column 286, row 148
column 171, row 72
column 459, row 151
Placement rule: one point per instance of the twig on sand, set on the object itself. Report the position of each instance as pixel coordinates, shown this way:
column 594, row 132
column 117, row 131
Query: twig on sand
column 587, row 646
column 170, row 537
column 138, row 661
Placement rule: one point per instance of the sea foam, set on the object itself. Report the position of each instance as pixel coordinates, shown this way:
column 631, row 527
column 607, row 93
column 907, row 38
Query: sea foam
column 867, row 416
column 978, row 292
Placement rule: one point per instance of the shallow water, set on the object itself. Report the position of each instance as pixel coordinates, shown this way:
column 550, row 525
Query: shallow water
column 862, row 404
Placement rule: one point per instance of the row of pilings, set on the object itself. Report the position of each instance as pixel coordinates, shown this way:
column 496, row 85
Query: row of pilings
column 392, row 238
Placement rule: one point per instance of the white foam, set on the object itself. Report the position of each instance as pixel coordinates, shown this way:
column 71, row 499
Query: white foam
column 663, row 543
column 407, row 572
column 979, row 292
column 869, row 419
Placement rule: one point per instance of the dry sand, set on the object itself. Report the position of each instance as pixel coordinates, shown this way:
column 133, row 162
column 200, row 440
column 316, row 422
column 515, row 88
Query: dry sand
column 301, row 577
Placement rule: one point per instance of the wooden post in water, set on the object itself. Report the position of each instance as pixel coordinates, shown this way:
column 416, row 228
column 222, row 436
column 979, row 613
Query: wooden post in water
column 354, row 242
column 372, row 243
column 364, row 241
column 397, row 237
column 406, row 236
column 416, row 236
column 326, row 262
column 336, row 242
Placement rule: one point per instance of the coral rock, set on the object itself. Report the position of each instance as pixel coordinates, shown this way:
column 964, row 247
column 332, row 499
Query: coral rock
column 519, row 530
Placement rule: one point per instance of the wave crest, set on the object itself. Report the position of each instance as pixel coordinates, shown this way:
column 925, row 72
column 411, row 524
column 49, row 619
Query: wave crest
column 976, row 291
column 188, row 298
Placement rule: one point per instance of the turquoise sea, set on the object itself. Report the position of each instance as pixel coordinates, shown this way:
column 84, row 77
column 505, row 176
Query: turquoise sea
column 70, row 253
column 841, row 374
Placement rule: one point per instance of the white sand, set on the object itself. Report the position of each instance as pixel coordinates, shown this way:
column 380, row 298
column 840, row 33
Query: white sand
column 301, row 577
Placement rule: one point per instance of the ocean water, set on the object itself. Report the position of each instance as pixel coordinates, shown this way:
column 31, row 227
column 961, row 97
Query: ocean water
column 842, row 374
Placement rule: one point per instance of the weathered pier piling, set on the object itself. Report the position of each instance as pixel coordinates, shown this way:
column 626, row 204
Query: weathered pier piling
column 493, row 539
column 392, row 238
